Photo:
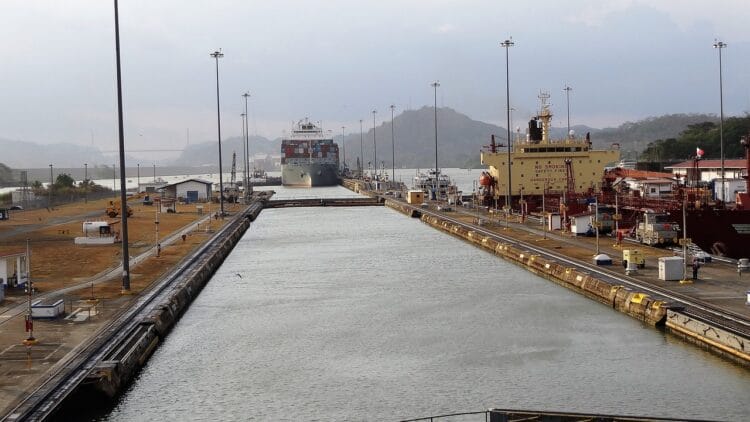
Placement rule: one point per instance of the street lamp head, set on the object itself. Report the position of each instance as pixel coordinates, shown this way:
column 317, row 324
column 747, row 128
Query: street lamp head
column 435, row 84
column 719, row 44
column 217, row 54
column 247, row 94
column 374, row 111
column 507, row 43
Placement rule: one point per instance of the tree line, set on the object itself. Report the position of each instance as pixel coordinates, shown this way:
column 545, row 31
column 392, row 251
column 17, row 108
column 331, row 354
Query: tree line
column 705, row 136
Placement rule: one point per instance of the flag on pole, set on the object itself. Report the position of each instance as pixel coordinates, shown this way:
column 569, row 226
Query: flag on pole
column 699, row 152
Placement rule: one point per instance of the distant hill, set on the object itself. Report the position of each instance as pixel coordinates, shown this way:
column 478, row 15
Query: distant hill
column 207, row 153
column 460, row 139
column 22, row 155
column 637, row 135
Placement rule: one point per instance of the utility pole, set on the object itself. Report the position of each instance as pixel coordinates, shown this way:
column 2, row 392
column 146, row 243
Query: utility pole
column 217, row 55
column 720, row 45
column 247, row 147
column 361, row 151
column 393, row 146
column 374, row 144
column 123, row 193
column 343, row 145
column 49, row 188
column 85, row 182
column 567, row 90
column 435, row 86
column 507, row 44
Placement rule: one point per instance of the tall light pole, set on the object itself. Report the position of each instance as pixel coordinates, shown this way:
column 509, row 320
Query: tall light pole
column 244, row 151
column 217, row 55
column 246, row 95
column 361, row 151
column 393, row 146
column 567, row 90
column 720, row 45
column 154, row 173
column 139, row 177
column 374, row 143
column 49, row 188
column 85, row 182
column 507, row 44
column 435, row 86
column 123, row 193
column 343, row 144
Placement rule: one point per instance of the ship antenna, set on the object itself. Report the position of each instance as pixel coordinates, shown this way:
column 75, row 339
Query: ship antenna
column 545, row 115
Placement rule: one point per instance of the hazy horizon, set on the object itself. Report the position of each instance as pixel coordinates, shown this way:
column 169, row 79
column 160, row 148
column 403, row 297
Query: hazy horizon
column 336, row 61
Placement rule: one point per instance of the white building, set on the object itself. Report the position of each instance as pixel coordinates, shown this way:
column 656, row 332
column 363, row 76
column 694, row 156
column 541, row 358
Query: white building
column 708, row 170
column 190, row 190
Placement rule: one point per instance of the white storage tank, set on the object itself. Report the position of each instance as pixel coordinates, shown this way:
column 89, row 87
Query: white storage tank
column 671, row 268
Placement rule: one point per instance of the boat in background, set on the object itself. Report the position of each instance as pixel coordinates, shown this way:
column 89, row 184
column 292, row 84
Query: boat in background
column 308, row 157
column 436, row 184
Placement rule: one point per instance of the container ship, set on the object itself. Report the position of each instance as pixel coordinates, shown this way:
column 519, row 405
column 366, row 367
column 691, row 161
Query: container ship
column 565, row 170
column 308, row 157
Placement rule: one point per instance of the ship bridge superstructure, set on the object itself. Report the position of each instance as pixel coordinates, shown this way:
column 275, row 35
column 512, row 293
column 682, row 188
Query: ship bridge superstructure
column 540, row 164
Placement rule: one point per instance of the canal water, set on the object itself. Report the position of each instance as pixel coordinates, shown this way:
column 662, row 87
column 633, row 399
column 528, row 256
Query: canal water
column 364, row 314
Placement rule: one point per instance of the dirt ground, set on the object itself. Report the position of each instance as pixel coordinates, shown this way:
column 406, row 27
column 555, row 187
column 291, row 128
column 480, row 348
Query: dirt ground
column 56, row 262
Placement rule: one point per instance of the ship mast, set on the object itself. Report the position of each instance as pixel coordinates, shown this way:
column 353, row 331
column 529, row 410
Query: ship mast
column 545, row 115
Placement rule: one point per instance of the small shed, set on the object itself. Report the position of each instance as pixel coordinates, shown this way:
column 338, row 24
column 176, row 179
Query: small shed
column 190, row 190
column 415, row 197
column 582, row 224
column 13, row 269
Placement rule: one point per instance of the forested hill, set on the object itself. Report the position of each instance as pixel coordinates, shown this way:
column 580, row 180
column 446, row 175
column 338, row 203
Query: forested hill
column 704, row 135
column 459, row 139
column 637, row 135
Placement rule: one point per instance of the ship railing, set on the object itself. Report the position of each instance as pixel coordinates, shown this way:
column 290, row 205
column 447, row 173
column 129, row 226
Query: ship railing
column 492, row 415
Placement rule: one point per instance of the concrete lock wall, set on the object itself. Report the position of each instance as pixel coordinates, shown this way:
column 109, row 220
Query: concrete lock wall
column 114, row 372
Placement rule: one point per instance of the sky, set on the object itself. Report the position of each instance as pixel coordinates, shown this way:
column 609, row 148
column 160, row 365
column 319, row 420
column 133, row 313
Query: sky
column 335, row 61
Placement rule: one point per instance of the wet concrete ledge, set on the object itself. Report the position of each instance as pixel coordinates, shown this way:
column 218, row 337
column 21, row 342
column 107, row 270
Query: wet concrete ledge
column 639, row 305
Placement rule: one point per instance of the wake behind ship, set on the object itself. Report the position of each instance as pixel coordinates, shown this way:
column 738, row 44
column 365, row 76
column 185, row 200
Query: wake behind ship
column 308, row 157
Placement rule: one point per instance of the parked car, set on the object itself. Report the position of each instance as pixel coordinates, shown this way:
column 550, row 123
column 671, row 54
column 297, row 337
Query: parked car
column 701, row 256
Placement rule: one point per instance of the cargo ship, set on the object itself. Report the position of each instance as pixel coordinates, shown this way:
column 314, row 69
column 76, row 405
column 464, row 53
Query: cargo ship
column 567, row 167
column 308, row 157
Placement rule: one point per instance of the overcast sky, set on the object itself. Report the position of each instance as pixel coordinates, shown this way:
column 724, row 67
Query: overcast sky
column 338, row 60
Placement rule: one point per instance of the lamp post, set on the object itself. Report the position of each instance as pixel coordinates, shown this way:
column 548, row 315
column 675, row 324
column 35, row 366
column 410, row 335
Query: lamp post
column 567, row 90
column 507, row 44
column 721, row 45
column 49, row 188
column 154, row 173
column 361, row 151
column 114, row 180
column 374, row 144
column 343, row 145
column 246, row 95
column 30, row 340
column 139, row 177
column 435, row 86
column 85, row 182
column 217, row 55
column 244, row 151
column 393, row 145
column 123, row 193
